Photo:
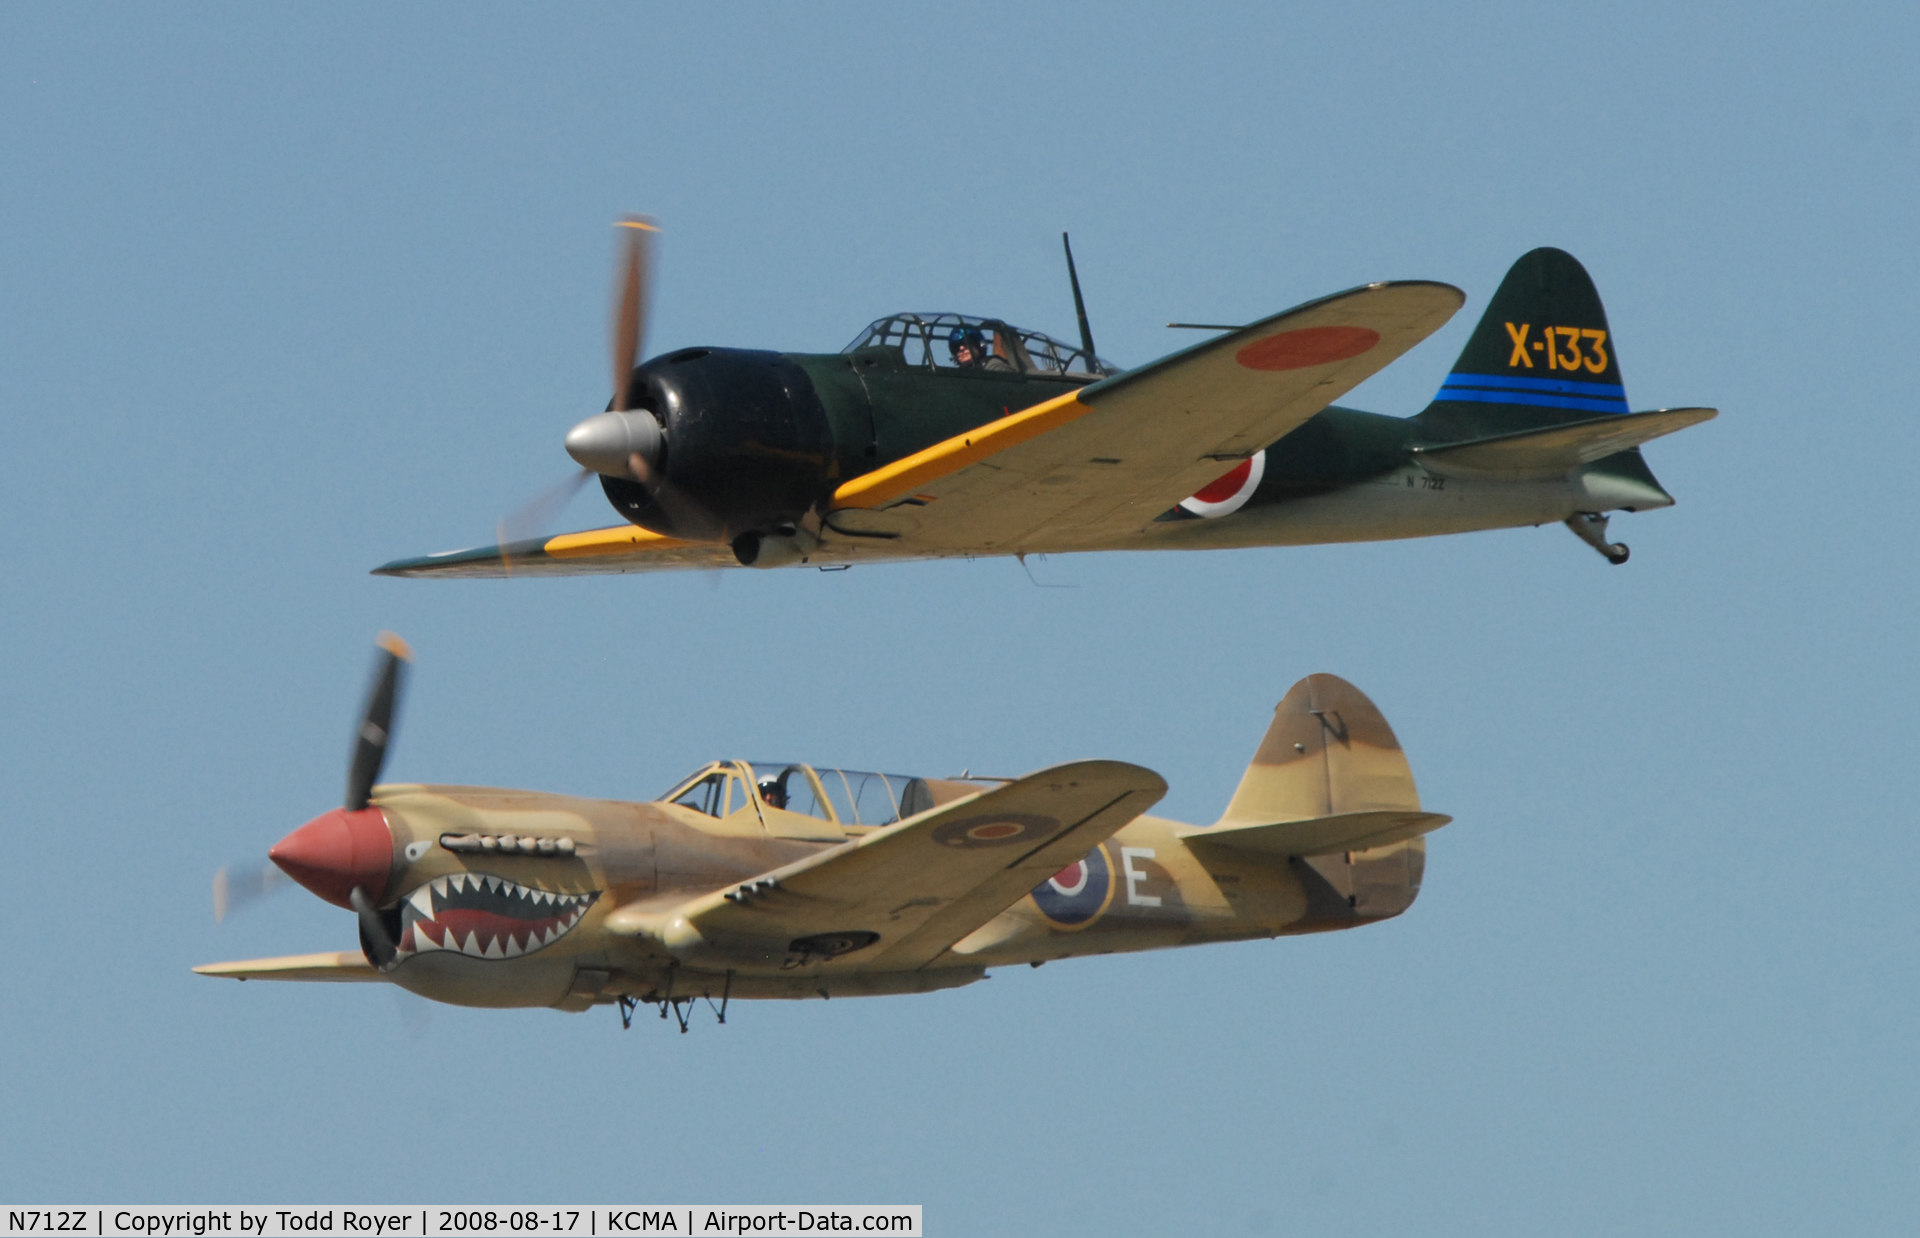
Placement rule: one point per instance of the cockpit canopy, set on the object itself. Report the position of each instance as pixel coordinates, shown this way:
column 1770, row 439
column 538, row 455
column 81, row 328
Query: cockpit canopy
column 926, row 340
column 849, row 799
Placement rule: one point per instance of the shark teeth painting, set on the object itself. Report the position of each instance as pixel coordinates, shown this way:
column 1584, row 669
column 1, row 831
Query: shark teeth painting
column 486, row 917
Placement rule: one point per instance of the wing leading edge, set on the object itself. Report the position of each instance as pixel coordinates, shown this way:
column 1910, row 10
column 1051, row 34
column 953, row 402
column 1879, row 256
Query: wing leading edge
column 1099, row 464
column 328, row 965
column 623, row 548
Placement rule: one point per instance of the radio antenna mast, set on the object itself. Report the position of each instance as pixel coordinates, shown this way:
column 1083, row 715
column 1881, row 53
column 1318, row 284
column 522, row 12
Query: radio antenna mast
column 1080, row 307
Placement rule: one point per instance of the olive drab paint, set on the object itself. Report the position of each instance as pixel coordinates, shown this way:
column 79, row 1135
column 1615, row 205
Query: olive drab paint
column 872, row 455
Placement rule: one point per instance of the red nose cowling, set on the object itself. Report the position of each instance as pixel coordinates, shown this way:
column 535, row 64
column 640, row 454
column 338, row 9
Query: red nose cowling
column 337, row 851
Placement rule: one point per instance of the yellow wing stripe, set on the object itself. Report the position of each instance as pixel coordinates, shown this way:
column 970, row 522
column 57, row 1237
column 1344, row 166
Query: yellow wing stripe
column 906, row 475
column 619, row 540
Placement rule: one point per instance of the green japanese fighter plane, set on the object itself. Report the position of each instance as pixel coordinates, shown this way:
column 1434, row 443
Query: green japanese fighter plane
column 949, row 435
column 754, row 879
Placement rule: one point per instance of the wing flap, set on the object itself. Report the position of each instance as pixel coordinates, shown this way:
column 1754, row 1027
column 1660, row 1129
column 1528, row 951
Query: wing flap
column 1107, row 460
column 1346, row 831
column 328, row 965
column 921, row 884
column 1558, row 449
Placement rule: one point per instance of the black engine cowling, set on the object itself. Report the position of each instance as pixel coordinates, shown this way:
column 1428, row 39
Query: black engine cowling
column 746, row 442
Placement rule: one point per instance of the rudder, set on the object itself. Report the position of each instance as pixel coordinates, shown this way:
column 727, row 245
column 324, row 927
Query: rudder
column 1542, row 355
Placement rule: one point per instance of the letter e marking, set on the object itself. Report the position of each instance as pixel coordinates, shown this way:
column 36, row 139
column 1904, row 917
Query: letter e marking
column 1134, row 876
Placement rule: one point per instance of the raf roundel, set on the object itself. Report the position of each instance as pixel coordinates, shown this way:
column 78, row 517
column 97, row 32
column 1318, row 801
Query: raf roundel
column 1075, row 896
column 998, row 830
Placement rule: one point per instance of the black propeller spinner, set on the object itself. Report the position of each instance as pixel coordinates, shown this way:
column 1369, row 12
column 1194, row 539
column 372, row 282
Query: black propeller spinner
column 704, row 444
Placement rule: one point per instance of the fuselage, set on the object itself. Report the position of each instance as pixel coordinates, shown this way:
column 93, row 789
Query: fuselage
column 490, row 908
column 1345, row 475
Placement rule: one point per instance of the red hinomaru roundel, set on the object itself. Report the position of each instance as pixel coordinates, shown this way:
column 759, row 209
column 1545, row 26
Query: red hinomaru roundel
column 1229, row 492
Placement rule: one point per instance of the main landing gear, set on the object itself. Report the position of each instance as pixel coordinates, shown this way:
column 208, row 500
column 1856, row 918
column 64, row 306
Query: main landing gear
column 1591, row 528
column 681, row 1006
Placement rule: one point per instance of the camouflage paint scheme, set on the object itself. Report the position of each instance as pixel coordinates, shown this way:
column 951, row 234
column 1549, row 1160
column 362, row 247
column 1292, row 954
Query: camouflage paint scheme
column 1520, row 434
column 660, row 901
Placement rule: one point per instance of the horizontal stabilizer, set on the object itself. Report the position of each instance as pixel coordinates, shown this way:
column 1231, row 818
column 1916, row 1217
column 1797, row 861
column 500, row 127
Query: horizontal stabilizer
column 1345, row 831
column 328, row 965
column 1558, row 449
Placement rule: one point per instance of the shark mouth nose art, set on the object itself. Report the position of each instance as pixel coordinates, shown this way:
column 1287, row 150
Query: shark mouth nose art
column 486, row 917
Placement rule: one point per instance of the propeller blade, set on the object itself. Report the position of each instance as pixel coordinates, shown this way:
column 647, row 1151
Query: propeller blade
column 537, row 515
column 692, row 522
column 374, row 942
column 376, row 722
column 630, row 311
column 238, row 885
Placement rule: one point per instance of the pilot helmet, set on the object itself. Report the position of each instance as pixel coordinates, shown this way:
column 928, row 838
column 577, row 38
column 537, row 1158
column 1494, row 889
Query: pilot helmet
column 969, row 336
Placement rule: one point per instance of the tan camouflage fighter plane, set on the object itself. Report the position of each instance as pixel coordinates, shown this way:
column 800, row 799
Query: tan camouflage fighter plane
column 781, row 880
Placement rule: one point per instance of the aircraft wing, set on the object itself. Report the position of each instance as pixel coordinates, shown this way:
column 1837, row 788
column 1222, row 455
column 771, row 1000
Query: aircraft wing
column 1106, row 460
column 924, row 883
column 327, row 965
column 624, row 548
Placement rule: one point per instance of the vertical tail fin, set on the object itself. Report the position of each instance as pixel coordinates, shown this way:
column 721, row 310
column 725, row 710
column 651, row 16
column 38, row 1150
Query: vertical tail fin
column 1330, row 788
column 1541, row 356
column 1328, row 752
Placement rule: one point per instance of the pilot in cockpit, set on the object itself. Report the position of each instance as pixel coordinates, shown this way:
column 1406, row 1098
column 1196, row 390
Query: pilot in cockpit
column 969, row 350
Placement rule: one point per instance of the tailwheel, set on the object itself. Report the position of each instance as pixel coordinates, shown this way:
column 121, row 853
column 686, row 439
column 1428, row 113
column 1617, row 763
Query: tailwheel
column 1591, row 528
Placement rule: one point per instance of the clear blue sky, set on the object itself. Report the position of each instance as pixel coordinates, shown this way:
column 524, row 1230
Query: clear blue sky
column 286, row 292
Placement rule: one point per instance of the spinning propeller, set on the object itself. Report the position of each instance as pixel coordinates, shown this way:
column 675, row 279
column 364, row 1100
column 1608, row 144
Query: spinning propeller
column 619, row 442
column 625, row 443
column 345, row 856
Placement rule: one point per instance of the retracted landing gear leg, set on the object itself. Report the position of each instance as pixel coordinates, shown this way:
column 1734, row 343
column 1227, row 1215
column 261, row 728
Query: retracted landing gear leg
column 1591, row 528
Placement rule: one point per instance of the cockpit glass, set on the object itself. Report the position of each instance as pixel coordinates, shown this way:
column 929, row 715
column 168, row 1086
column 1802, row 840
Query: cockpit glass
column 849, row 796
column 787, row 787
column 709, row 795
column 965, row 341
column 864, row 799
column 857, row 797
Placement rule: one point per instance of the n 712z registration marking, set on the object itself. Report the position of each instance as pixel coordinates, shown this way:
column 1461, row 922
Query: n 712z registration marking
column 1593, row 358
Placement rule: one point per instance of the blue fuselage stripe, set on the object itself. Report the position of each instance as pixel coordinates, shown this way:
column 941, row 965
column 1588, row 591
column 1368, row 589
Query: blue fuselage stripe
column 1567, row 386
column 1534, row 398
